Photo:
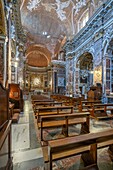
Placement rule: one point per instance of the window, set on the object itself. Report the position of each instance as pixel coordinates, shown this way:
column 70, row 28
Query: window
column 83, row 19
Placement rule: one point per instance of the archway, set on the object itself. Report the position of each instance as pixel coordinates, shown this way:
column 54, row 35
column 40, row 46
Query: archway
column 108, row 77
column 85, row 63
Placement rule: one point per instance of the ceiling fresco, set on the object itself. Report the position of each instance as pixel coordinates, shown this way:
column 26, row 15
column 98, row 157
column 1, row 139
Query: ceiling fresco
column 51, row 22
column 48, row 21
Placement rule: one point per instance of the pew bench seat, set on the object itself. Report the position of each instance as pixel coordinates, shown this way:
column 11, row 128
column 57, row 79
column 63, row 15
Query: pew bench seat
column 61, row 123
column 100, row 113
column 42, row 111
column 64, row 121
column 86, row 145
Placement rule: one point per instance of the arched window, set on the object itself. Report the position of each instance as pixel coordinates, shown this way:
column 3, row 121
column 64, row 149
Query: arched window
column 83, row 19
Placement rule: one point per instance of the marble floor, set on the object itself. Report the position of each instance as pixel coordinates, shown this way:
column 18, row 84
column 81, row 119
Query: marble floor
column 26, row 150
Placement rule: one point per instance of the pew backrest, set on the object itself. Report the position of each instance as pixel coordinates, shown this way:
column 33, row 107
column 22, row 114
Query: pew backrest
column 62, row 148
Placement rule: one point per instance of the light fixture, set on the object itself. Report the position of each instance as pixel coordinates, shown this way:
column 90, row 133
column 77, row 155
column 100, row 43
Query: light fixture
column 44, row 33
column 48, row 36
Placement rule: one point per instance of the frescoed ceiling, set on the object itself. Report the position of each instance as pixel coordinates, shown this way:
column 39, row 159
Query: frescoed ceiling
column 49, row 23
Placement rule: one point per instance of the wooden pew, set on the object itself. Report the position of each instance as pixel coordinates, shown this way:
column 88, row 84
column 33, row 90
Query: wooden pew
column 84, row 105
column 45, row 104
column 67, row 100
column 65, row 121
column 99, row 111
column 36, row 98
column 86, row 144
column 51, row 103
column 5, row 130
column 45, row 100
column 52, row 110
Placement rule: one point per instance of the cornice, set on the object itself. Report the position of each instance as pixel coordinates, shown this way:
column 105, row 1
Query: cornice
column 95, row 26
column 16, row 18
column 58, row 62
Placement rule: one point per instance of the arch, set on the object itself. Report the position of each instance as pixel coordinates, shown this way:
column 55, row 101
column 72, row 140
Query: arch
column 37, row 59
column 106, row 44
column 39, row 48
column 38, row 52
column 90, row 51
column 108, row 65
column 83, row 72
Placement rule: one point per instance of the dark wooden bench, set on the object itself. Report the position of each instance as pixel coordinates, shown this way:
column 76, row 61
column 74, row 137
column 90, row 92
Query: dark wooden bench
column 52, row 110
column 67, row 100
column 41, row 100
column 64, row 121
column 86, row 144
column 5, row 130
column 99, row 111
column 84, row 105
column 45, row 104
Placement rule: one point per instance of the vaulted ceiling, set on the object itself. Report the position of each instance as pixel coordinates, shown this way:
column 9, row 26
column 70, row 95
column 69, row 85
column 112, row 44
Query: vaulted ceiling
column 48, row 24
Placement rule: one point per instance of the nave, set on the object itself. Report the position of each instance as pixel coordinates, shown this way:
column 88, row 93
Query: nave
column 62, row 49
column 27, row 152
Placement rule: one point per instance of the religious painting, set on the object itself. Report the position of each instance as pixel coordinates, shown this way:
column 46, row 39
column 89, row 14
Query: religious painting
column 61, row 81
column 16, row 94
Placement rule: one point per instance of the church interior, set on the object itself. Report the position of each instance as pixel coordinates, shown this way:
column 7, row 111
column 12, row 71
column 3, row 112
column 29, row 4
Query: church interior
column 56, row 84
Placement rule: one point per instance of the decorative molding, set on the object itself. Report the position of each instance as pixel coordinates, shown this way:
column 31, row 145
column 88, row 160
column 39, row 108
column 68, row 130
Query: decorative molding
column 58, row 62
